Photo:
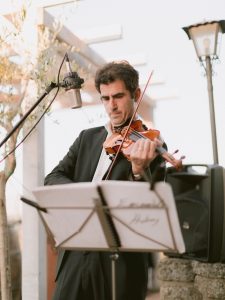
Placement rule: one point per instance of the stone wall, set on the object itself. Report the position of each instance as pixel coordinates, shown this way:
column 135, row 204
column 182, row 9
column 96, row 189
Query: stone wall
column 190, row 280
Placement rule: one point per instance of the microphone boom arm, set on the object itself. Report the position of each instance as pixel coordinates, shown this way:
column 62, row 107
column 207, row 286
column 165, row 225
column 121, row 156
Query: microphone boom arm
column 47, row 91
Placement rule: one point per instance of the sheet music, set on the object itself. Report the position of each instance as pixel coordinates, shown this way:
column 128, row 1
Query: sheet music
column 71, row 217
column 145, row 220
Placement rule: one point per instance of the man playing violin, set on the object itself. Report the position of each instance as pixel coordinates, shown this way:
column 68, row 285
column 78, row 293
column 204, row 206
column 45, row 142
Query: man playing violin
column 83, row 275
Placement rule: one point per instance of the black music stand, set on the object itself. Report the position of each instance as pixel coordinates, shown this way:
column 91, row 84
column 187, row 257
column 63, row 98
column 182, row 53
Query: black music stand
column 112, row 216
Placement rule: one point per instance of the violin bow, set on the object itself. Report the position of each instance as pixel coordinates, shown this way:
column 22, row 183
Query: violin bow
column 128, row 127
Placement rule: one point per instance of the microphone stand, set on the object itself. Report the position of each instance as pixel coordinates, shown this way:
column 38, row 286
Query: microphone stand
column 47, row 91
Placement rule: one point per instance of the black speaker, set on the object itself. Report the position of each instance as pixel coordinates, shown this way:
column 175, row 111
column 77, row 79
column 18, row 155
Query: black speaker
column 199, row 192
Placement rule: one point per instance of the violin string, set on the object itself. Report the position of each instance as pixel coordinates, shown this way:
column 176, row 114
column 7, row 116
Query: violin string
column 137, row 134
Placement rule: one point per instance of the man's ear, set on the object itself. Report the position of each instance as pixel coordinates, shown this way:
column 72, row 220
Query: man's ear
column 137, row 94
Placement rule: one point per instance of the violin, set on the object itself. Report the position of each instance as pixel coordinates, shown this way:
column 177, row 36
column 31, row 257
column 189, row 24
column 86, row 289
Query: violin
column 128, row 136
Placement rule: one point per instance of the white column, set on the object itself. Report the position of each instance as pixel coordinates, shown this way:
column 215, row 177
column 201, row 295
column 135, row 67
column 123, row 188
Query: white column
column 34, row 269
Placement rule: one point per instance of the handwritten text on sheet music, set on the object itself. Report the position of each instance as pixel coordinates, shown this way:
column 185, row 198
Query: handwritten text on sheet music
column 139, row 218
column 123, row 202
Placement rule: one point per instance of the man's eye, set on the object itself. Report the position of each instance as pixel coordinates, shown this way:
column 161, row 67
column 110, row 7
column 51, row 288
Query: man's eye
column 105, row 98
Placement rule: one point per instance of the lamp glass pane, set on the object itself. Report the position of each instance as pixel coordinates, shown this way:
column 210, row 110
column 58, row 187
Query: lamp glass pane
column 205, row 39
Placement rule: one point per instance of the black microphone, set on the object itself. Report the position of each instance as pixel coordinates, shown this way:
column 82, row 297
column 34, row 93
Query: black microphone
column 72, row 82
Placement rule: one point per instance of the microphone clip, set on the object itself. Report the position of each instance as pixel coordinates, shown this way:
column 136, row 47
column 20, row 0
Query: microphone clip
column 72, row 81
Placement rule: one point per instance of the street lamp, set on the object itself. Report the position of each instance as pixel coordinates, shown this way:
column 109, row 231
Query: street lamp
column 206, row 37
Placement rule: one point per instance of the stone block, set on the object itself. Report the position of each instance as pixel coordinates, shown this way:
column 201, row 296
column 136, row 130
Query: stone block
column 175, row 269
column 179, row 292
column 209, row 270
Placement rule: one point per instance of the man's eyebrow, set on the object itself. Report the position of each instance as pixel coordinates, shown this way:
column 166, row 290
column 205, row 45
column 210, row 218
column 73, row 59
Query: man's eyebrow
column 113, row 96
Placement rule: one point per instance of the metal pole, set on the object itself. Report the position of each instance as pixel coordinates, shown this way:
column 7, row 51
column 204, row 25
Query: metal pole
column 211, row 108
column 114, row 258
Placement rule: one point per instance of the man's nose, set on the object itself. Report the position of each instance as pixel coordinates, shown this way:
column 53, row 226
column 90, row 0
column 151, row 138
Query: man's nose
column 112, row 102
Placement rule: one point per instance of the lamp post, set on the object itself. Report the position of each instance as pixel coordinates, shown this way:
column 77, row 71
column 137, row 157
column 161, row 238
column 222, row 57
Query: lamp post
column 206, row 37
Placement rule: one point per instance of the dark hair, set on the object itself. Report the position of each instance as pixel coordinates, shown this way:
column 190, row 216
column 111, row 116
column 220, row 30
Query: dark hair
column 118, row 71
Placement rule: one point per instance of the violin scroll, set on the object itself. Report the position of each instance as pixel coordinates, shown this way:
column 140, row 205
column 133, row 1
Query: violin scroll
column 176, row 163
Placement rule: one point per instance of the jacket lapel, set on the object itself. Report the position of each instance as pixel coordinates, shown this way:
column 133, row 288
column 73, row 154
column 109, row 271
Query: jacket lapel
column 98, row 140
